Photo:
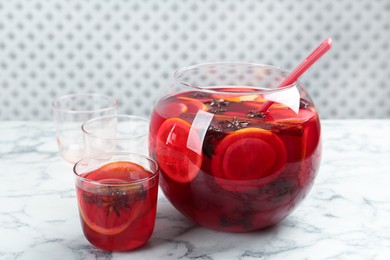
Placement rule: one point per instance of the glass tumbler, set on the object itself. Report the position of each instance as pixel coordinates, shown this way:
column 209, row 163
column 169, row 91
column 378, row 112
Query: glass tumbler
column 70, row 112
column 126, row 133
column 117, row 199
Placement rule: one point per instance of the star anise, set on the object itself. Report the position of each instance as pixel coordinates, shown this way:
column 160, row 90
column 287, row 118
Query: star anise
column 217, row 105
column 233, row 124
column 114, row 202
column 213, row 136
column 256, row 113
column 115, row 198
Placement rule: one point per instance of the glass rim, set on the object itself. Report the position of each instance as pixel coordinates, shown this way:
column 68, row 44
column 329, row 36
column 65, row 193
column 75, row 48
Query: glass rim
column 124, row 183
column 55, row 106
column 90, row 134
column 180, row 72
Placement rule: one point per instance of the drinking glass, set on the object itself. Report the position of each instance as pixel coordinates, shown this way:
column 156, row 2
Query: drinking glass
column 70, row 112
column 117, row 198
column 126, row 133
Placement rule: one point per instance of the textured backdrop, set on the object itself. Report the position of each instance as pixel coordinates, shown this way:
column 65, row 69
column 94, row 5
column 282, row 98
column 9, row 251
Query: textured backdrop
column 130, row 49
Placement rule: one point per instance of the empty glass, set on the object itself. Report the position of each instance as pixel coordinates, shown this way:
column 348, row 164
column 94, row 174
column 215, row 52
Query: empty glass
column 119, row 133
column 69, row 112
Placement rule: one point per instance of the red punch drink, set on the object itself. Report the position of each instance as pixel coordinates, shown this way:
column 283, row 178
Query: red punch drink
column 229, row 166
column 117, row 205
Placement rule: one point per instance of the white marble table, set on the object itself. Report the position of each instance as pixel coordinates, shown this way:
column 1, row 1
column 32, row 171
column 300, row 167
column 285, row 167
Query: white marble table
column 346, row 215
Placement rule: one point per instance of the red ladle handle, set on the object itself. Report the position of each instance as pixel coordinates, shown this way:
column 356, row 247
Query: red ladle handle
column 302, row 67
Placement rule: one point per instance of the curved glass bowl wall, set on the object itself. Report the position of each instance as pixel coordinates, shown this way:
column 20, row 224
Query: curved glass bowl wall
column 236, row 152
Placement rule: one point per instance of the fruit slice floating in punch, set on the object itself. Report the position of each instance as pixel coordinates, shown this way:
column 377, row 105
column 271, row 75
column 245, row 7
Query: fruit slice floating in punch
column 175, row 159
column 121, row 170
column 111, row 208
column 182, row 105
column 247, row 159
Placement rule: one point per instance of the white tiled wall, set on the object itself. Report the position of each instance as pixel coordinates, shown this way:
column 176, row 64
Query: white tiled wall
column 130, row 49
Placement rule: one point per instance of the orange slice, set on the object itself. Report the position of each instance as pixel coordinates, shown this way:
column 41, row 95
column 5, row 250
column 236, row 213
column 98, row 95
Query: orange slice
column 97, row 219
column 248, row 158
column 176, row 160
column 286, row 115
column 180, row 106
column 120, row 170
column 99, row 214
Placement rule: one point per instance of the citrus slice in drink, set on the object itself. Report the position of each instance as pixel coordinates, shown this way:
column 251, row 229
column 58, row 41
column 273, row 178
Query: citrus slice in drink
column 180, row 106
column 175, row 158
column 109, row 211
column 248, row 158
column 236, row 94
column 105, row 221
column 286, row 115
column 120, row 170
column 112, row 205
